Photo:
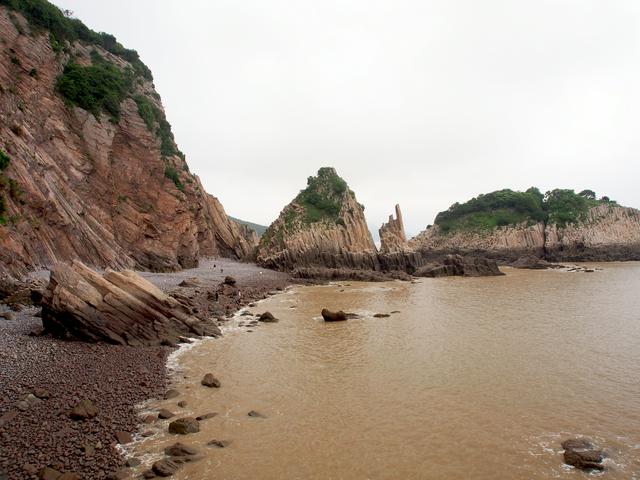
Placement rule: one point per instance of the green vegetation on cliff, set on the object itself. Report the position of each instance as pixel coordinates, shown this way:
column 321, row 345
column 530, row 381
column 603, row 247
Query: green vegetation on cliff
column 62, row 27
column 100, row 86
column 322, row 199
column 507, row 207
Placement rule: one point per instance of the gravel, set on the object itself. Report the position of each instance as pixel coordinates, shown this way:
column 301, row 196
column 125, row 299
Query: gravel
column 37, row 432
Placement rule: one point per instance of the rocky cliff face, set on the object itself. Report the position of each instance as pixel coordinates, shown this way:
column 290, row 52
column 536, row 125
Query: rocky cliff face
column 109, row 192
column 323, row 226
column 609, row 232
column 392, row 236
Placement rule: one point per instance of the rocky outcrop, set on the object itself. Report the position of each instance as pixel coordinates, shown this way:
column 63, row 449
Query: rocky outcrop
column 609, row 232
column 392, row 236
column 110, row 193
column 505, row 244
column 117, row 307
column 323, row 226
column 457, row 266
column 583, row 454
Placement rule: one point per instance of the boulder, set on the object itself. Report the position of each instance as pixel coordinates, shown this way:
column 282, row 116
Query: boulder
column 206, row 416
column 172, row 393
column 184, row 426
column 84, row 410
column 164, row 414
column 48, row 473
column 219, row 443
column 330, row 316
column 228, row 280
column 381, row 315
column 180, row 450
column 164, row 468
column 456, row 265
column 117, row 307
column 123, row 437
column 210, row 381
column 583, row 454
column 267, row 317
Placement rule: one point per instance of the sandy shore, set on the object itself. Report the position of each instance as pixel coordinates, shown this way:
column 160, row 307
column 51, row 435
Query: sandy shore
column 38, row 432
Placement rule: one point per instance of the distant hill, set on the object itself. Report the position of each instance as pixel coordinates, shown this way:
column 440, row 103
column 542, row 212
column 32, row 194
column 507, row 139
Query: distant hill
column 259, row 229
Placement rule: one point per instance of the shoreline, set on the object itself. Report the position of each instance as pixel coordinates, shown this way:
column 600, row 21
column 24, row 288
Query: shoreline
column 37, row 432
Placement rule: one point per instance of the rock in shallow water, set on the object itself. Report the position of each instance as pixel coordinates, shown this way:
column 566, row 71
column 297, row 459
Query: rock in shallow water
column 164, row 468
column 184, row 426
column 330, row 316
column 210, row 381
column 267, row 317
column 582, row 453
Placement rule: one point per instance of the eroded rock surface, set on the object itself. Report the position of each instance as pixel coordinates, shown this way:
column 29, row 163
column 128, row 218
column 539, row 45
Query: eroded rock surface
column 117, row 307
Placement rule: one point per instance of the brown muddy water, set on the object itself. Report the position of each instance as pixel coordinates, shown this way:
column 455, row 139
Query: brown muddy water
column 473, row 379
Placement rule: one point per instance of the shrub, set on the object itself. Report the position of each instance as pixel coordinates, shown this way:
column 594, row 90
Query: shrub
column 95, row 88
column 4, row 160
column 153, row 115
column 172, row 174
column 42, row 14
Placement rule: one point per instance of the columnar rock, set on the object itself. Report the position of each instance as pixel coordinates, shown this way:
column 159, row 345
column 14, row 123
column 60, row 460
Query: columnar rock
column 117, row 307
column 559, row 226
column 105, row 184
column 392, row 236
column 323, row 226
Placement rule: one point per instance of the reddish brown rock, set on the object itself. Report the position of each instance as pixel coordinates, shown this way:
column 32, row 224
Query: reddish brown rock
column 392, row 236
column 117, row 307
column 93, row 189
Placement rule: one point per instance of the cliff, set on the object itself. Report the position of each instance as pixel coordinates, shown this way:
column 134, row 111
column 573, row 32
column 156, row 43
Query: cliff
column 93, row 172
column 323, row 226
column 561, row 226
column 392, row 236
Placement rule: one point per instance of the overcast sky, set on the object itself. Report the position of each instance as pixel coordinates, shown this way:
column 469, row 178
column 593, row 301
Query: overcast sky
column 421, row 103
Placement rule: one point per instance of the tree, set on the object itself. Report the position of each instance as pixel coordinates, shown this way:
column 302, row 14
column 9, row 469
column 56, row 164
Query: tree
column 588, row 194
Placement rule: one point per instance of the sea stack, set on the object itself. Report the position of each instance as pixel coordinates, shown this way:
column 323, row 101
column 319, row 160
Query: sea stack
column 324, row 226
column 392, row 236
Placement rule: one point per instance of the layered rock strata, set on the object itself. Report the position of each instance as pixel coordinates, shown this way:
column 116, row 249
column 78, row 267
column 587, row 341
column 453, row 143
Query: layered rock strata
column 609, row 232
column 109, row 192
column 392, row 236
column 117, row 307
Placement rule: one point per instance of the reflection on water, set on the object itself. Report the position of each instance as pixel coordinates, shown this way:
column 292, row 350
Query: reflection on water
column 473, row 379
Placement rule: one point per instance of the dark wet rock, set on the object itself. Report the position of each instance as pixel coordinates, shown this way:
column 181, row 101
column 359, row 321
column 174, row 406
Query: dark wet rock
column 184, row 426
column 182, row 404
column 395, row 311
column 206, row 416
column 228, row 280
column 381, row 315
column 132, row 462
column 219, row 443
column 84, row 410
column 123, row 438
column 267, row 317
column 41, row 393
column 48, row 473
column 180, row 450
column 582, row 453
column 456, row 265
column 75, row 476
column 149, row 474
column 169, row 394
column 121, row 474
column 246, row 314
column 164, row 414
column 532, row 262
column 164, row 468
column 210, row 381
column 255, row 414
column 330, row 316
